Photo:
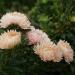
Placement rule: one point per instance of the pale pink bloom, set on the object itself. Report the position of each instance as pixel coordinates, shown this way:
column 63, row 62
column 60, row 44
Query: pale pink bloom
column 36, row 36
column 10, row 39
column 44, row 52
column 66, row 49
column 15, row 18
column 48, row 52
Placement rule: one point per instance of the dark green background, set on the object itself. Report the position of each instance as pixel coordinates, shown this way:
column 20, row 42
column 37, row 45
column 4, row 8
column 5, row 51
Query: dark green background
column 53, row 17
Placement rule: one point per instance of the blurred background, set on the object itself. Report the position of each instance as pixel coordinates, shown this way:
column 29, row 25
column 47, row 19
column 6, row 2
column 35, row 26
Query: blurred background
column 57, row 19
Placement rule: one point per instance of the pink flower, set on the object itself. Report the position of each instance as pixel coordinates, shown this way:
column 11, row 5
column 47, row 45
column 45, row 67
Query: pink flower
column 48, row 52
column 10, row 39
column 36, row 36
column 66, row 49
column 15, row 18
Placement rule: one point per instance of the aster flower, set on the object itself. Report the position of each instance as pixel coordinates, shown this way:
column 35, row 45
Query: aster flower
column 9, row 39
column 48, row 52
column 66, row 49
column 15, row 18
column 36, row 36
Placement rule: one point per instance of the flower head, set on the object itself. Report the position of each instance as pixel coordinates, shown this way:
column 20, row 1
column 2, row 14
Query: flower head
column 36, row 36
column 9, row 39
column 48, row 52
column 15, row 18
column 66, row 49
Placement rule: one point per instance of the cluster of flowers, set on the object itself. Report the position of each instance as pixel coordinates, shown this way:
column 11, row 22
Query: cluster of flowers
column 48, row 50
column 43, row 46
column 11, row 38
